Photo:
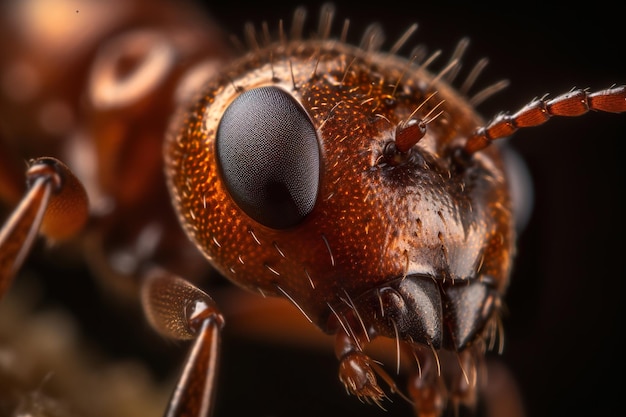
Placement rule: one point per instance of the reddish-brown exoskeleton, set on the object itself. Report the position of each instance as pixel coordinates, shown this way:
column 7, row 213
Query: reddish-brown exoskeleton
column 351, row 181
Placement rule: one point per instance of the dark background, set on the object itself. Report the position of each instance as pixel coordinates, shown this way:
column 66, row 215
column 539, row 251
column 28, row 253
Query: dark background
column 564, row 328
column 562, row 332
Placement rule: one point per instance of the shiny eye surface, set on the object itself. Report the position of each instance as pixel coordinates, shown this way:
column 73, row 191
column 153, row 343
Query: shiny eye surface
column 269, row 157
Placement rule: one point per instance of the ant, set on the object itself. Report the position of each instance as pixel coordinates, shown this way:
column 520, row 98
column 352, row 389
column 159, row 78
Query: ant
column 344, row 309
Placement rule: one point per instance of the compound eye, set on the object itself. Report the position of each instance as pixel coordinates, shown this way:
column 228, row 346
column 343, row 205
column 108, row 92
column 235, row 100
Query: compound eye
column 269, row 157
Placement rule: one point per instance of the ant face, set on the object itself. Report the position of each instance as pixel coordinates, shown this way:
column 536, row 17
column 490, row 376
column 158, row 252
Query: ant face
column 531, row 51
column 382, row 219
column 375, row 218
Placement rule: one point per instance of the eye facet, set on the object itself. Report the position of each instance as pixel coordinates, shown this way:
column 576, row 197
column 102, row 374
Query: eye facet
column 269, row 157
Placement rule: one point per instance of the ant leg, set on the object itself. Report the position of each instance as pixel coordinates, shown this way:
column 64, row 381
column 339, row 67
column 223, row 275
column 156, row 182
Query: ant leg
column 179, row 310
column 55, row 205
column 358, row 371
column 468, row 380
column 426, row 386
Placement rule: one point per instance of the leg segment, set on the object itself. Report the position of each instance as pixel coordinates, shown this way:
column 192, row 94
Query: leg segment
column 359, row 372
column 55, row 205
column 179, row 310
